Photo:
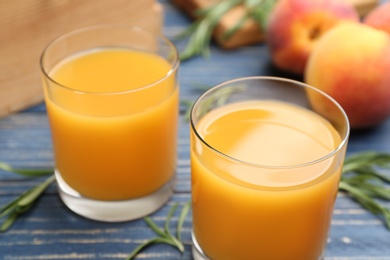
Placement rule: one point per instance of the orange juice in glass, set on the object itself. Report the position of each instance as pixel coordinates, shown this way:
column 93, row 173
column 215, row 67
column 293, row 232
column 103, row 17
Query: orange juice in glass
column 112, row 100
column 265, row 170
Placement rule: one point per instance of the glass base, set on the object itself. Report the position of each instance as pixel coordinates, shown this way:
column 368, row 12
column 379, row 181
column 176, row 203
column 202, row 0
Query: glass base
column 113, row 211
column 197, row 252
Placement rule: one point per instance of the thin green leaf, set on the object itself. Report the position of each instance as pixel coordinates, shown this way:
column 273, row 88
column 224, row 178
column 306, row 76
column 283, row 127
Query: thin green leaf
column 373, row 172
column 9, row 207
column 369, row 185
column 199, row 13
column 260, row 10
column 13, row 213
column 154, row 227
column 168, row 219
column 362, row 198
column 35, row 192
column 202, row 29
column 199, row 38
column 179, row 245
column 6, row 209
column 23, row 203
column 176, row 242
column 9, row 221
column 148, row 243
column 163, row 236
column 23, row 209
column 25, row 172
column 387, row 218
column 182, row 217
column 362, row 180
column 366, row 159
column 187, row 31
column 380, row 192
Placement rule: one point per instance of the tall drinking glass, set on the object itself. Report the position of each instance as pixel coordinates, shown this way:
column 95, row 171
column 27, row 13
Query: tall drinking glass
column 266, row 164
column 112, row 101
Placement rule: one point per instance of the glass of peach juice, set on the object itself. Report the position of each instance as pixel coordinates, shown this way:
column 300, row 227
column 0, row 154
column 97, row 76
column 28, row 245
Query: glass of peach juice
column 111, row 94
column 265, row 164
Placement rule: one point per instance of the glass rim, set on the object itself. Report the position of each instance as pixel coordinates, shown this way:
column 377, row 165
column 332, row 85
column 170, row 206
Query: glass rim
column 264, row 166
column 174, row 67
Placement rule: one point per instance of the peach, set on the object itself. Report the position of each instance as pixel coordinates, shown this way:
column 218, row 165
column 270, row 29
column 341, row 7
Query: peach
column 351, row 63
column 379, row 17
column 294, row 26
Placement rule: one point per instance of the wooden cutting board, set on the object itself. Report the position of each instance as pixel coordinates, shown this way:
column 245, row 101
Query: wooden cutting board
column 250, row 33
column 27, row 26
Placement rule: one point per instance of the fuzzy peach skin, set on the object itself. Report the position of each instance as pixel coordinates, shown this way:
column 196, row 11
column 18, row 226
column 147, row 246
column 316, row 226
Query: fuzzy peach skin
column 294, row 26
column 351, row 63
column 379, row 17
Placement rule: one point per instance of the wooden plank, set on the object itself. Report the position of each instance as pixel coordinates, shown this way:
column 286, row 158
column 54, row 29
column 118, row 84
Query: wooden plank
column 27, row 26
column 250, row 33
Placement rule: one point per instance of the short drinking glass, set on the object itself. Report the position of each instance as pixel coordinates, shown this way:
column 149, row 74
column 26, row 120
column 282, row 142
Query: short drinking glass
column 112, row 101
column 265, row 163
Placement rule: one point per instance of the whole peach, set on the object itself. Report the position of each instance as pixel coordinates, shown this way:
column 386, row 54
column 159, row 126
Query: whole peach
column 294, row 26
column 379, row 17
column 351, row 63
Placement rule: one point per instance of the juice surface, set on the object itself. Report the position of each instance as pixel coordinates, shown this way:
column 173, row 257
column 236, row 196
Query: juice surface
column 116, row 141
column 243, row 211
column 110, row 70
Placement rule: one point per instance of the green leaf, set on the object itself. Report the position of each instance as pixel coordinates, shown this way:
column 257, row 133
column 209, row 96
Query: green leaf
column 26, row 172
column 366, row 160
column 168, row 233
column 183, row 215
column 200, row 31
column 9, row 207
column 22, row 204
column 164, row 235
column 260, row 10
column 35, row 192
column 364, row 182
column 168, row 219
column 148, row 243
column 9, row 221
column 154, row 227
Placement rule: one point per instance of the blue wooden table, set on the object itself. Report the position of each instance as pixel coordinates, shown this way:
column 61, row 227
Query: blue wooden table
column 51, row 231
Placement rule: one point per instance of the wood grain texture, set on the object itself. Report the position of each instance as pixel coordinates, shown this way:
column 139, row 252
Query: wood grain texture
column 27, row 26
